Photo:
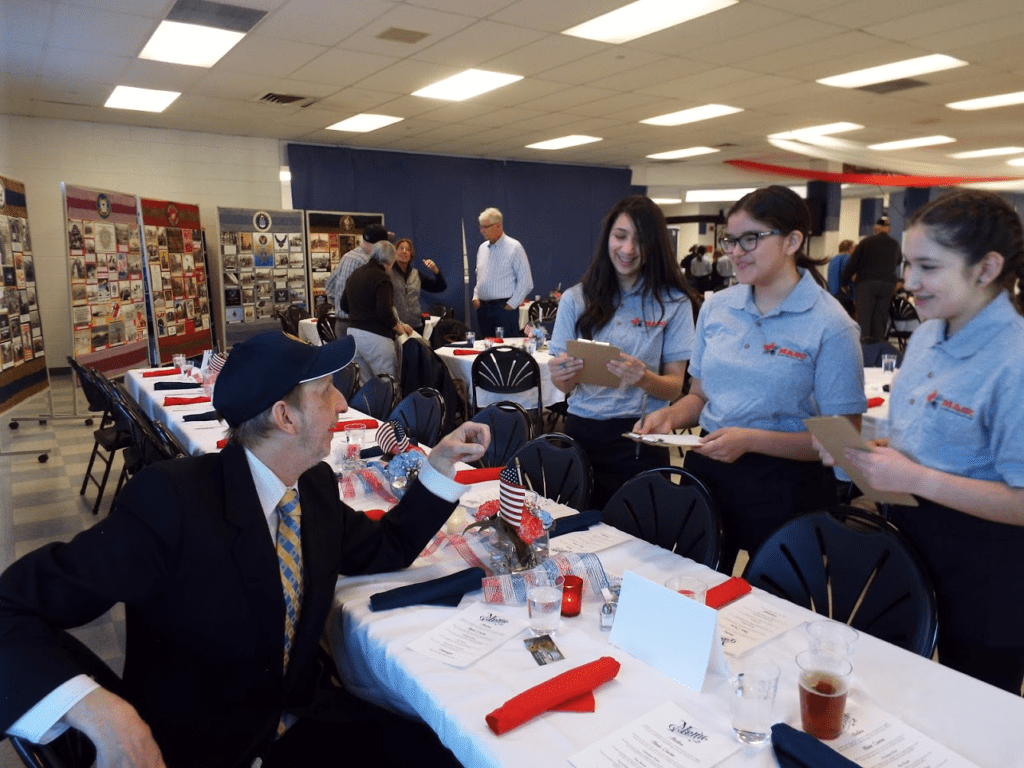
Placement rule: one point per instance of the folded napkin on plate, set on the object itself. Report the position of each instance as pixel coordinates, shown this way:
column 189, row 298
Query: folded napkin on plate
column 462, row 352
column 204, row 416
column 874, row 402
column 162, row 385
column 161, row 372
column 470, row 476
column 447, row 590
column 580, row 522
column 726, row 592
column 796, row 749
column 368, row 423
column 185, row 400
column 575, row 684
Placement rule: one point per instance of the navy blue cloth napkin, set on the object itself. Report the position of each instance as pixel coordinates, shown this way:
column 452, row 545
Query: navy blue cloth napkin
column 447, row 590
column 459, row 344
column 796, row 749
column 580, row 522
column 161, row 385
column 204, row 416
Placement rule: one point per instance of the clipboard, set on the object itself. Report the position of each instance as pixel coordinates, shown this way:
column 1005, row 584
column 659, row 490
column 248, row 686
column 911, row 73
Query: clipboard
column 836, row 433
column 595, row 356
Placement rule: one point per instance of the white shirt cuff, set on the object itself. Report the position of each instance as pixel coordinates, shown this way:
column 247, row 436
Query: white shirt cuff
column 42, row 724
column 439, row 485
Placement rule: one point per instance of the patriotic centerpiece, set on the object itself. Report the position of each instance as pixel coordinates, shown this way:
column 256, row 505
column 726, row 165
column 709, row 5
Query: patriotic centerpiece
column 391, row 438
column 517, row 529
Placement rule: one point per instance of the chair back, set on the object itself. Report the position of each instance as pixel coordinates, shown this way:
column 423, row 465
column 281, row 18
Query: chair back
column 507, row 370
column 447, row 331
column 441, row 311
column 346, row 380
column 543, row 313
column 147, row 447
column 325, row 322
column 94, row 394
column 903, row 320
column 171, row 446
column 422, row 414
column 669, row 507
column 376, row 397
column 421, row 367
column 290, row 319
column 853, row 567
column 511, row 429
column 556, row 467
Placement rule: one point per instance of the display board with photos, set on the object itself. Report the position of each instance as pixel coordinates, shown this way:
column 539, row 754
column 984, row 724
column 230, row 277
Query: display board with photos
column 179, row 298
column 22, row 357
column 263, row 257
column 107, row 288
column 332, row 234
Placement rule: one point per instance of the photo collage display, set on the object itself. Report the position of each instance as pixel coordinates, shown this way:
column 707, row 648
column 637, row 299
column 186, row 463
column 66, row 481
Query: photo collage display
column 21, row 333
column 177, row 278
column 331, row 236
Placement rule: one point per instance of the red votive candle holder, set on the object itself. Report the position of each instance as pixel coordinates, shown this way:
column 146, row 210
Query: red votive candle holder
column 572, row 595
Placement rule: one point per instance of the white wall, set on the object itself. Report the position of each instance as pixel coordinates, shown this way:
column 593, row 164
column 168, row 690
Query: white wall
column 200, row 168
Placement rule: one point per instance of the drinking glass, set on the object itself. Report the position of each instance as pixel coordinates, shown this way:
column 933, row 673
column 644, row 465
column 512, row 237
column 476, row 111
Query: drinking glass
column 499, row 332
column 470, row 338
column 831, row 637
column 824, row 683
column 753, row 682
column 544, row 601
column 354, row 435
column 889, row 363
column 691, row 587
column 179, row 362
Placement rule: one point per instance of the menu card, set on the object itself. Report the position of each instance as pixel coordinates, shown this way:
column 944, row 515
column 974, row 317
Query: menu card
column 751, row 621
column 588, row 541
column 667, row 737
column 873, row 738
column 470, row 634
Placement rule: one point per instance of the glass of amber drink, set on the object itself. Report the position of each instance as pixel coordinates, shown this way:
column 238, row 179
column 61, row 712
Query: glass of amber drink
column 824, row 683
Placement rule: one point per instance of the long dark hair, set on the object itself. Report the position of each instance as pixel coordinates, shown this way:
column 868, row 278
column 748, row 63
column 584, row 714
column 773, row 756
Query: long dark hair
column 783, row 209
column 659, row 270
column 974, row 222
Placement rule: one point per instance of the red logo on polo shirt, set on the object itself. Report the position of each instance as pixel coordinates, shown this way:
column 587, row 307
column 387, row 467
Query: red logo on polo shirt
column 648, row 323
column 937, row 401
column 775, row 349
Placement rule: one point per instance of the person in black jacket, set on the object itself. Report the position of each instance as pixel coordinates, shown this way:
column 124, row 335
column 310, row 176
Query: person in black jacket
column 873, row 268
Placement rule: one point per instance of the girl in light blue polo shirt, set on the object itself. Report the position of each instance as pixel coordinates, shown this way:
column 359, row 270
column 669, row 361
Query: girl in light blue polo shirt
column 634, row 296
column 768, row 353
column 956, row 429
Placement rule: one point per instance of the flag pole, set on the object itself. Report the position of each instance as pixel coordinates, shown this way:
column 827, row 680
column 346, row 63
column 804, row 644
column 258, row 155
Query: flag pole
column 465, row 277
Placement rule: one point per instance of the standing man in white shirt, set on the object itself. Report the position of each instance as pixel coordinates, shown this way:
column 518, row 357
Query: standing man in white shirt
column 503, row 278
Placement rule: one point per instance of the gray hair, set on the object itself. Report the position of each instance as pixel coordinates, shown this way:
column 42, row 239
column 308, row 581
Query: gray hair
column 383, row 253
column 251, row 432
column 491, row 215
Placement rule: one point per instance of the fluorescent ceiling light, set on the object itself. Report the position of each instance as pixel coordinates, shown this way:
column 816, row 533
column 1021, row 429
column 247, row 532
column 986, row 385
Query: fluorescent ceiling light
column 364, row 123
column 643, row 18
column 189, row 44
column 994, row 152
column 728, row 195
column 895, row 71
column 563, row 142
column 816, row 130
column 141, row 99
column 988, row 102
column 924, row 141
column 675, row 154
column 1016, row 161
column 692, row 115
column 666, row 200
column 466, row 85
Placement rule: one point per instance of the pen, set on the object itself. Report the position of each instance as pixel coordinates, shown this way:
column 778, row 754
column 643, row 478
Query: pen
column 643, row 415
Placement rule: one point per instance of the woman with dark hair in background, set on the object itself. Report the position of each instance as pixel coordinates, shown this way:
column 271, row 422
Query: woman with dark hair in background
column 634, row 296
column 408, row 281
column 956, row 429
column 768, row 353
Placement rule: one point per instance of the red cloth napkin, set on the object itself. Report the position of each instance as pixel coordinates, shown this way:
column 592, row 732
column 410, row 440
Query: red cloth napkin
column 222, row 442
column 185, row 400
column 496, row 339
column 161, row 372
column 368, row 423
column 726, row 592
column 470, row 476
column 375, row 514
column 566, row 687
column 874, row 402
column 466, row 351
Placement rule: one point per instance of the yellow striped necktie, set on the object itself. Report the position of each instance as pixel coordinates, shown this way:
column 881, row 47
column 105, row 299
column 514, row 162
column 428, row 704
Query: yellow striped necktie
column 289, row 558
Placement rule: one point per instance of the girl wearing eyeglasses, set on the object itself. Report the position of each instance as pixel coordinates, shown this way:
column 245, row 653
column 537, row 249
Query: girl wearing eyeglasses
column 956, row 429
column 768, row 352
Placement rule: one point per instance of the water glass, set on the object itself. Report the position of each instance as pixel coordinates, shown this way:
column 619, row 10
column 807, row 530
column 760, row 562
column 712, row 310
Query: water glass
column 470, row 338
column 499, row 332
column 888, row 363
column 829, row 636
column 824, row 683
column 544, row 601
column 354, row 435
column 753, row 683
column 179, row 362
column 691, row 587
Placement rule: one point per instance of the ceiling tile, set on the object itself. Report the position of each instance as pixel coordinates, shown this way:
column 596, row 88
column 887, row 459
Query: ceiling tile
column 545, row 54
column 436, row 24
column 338, row 66
column 612, row 61
column 478, row 44
column 273, row 58
column 314, row 21
column 86, row 29
column 554, row 17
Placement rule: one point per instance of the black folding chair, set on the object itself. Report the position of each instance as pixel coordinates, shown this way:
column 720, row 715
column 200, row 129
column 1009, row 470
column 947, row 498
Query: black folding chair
column 147, row 447
column 903, row 320
column 421, row 413
column 669, row 507
column 506, row 370
column 556, row 467
column 346, row 380
column 542, row 313
column 853, row 567
column 325, row 323
column 511, row 429
column 290, row 319
column 447, row 331
column 440, row 311
column 376, row 397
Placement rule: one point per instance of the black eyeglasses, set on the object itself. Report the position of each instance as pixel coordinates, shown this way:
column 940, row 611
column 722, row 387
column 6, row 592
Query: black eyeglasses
column 747, row 241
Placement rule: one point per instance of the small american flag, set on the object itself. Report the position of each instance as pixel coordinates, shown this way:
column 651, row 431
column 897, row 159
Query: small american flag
column 528, row 330
column 391, row 437
column 512, row 495
column 217, row 361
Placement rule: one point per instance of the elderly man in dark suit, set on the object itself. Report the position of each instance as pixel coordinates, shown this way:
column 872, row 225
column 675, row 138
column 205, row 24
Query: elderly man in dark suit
column 226, row 564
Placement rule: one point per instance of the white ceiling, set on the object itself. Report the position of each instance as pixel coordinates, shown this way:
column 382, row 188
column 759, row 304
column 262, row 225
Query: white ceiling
column 61, row 59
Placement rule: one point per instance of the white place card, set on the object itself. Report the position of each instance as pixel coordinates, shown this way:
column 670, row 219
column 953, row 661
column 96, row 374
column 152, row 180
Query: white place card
column 665, row 630
column 667, row 737
column 470, row 634
column 747, row 623
column 873, row 738
column 588, row 541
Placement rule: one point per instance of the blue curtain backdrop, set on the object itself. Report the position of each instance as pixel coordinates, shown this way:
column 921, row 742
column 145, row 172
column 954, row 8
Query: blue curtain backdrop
column 555, row 211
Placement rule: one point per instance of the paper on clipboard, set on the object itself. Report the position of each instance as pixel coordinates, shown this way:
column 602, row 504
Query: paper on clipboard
column 595, row 356
column 836, row 433
column 684, row 440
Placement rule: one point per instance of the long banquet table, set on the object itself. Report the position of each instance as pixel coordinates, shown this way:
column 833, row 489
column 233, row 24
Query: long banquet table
column 979, row 722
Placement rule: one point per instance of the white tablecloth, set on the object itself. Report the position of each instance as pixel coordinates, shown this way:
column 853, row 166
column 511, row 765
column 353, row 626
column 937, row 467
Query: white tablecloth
column 461, row 366
column 976, row 720
column 308, row 331
column 874, row 422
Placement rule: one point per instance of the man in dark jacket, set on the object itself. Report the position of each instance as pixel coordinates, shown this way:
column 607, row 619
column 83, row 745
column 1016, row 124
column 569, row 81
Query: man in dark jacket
column 873, row 268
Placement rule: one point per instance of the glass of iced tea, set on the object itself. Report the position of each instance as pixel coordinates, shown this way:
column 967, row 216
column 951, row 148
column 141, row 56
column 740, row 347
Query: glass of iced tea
column 824, row 683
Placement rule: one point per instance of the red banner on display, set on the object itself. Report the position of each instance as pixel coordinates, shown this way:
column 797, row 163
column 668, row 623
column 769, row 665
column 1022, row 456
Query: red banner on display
column 877, row 179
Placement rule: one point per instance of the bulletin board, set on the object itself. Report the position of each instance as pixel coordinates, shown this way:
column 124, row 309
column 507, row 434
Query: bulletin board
column 331, row 235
